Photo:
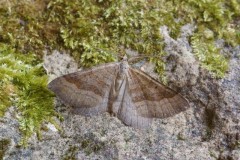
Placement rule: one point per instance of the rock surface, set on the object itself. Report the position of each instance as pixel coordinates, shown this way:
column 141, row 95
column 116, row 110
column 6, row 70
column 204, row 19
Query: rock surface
column 209, row 130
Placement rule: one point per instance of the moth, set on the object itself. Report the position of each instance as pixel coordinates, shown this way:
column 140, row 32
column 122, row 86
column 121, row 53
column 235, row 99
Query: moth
column 125, row 92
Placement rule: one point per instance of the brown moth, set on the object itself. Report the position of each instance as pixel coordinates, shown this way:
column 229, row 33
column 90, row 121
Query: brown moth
column 129, row 94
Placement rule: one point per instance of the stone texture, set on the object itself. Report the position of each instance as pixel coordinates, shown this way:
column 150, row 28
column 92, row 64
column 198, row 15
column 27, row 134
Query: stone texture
column 209, row 130
column 58, row 63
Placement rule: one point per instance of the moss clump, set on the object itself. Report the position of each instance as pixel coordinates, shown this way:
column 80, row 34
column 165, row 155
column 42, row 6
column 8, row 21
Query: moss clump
column 25, row 86
column 4, row 143
column 23, row 25
column 95, row 30
column 209, row 55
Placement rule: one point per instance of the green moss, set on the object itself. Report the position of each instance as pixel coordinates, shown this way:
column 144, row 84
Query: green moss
column 23, row 26
column 206, row 51
column 25, row 86
column 98, row 29
column 4, row 144
column 209, row 55
column 95, row 31
column 4, row 97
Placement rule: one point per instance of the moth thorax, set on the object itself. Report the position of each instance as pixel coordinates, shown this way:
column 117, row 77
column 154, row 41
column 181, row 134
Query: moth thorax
column 124, row 67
